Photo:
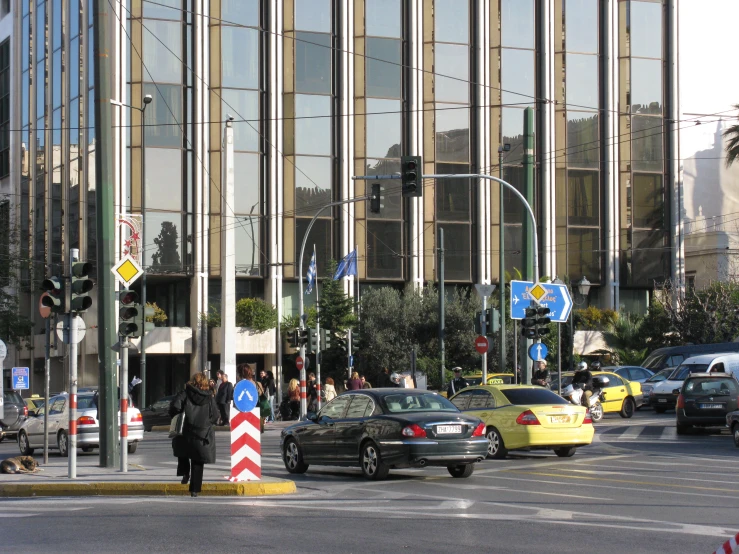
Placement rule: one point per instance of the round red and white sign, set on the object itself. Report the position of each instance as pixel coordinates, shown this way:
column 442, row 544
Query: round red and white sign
column 481, row 344
column 299, row 362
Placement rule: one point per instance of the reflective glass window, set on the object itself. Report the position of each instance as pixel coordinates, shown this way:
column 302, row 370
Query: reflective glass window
column 241, row 12
column 240, row 57
column 452, row 133
column 56, row 77
column 164, row 9
column 90, row 69
column 74, row 67
column 39, row 80
column 313, row 63
column 244, row 106
column 583, row 252
column 246, row 183
column 647, row 200
column 457, row 251
column 74, row 122
column 320, row 235
column 74, row 17
column 452, row 195
column 645, row 23
column 312, row 184
column 246, row 235
column 582, row 81
column 583, row 140
column 517, row 23
column 382, row 18
column 313, row 124
column 163, row 179
column 163, row 66
column 164, row 236
column 581, row 26
column 646, row 86
column 383, row 77
column 56, row 21
column 512, row 131
column 40, row 31
column 163, row 114
column 313, row 15
column 56, row 130
column 451, row 20
column 517, row 76
column 452, row 73
column 384, row 249
column 646, row 143
column 512, row 206
column 25, row 44
column 383, row 128
column 391, row 199
column 25, row 92
column 583, row 197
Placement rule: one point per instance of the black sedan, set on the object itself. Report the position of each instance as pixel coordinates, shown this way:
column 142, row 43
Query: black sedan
column 380, row 429
column 157, row 413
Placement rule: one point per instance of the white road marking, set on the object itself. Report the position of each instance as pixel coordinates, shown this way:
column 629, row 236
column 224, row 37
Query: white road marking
column 484, row 487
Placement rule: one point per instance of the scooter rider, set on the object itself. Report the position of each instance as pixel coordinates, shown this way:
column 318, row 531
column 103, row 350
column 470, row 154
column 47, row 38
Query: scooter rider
column 584, row 380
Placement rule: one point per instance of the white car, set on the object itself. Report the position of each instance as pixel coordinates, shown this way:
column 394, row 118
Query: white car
column 31, row 433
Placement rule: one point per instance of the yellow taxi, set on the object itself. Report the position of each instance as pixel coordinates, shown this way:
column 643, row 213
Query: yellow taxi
column 526, row 417
column 621, row 396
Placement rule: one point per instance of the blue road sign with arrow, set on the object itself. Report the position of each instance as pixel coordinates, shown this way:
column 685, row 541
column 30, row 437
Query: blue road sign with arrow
column 538, row 351
column 558, row 300
column 245, row 395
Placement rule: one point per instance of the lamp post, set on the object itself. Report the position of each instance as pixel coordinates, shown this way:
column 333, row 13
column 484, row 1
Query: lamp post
column 581, row 288
column 501, row 281
column 142, row 360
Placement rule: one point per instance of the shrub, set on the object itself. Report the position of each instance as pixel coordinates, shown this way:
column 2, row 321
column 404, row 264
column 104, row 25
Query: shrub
column 255, row 314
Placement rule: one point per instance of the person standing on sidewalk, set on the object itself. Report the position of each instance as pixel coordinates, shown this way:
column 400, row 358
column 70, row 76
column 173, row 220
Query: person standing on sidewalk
column 271, row 389
column 223, row 398
column 197, row 444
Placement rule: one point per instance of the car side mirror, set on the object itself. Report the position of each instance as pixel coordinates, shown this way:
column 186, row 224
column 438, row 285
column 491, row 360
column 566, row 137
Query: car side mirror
column 311, row 416
column 676, row 391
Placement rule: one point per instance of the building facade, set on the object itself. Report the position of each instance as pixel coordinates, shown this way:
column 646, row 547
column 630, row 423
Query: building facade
column 323, row 90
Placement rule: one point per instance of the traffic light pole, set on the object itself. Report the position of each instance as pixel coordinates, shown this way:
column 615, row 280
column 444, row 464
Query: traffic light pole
column 72, row 436
column 123, row 384
column 484, row 325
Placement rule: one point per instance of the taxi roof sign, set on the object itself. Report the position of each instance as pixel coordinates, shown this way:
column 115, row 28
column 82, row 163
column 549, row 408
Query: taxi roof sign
column 127, row 270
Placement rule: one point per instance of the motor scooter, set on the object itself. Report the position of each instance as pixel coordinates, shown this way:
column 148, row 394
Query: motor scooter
column 576, row 395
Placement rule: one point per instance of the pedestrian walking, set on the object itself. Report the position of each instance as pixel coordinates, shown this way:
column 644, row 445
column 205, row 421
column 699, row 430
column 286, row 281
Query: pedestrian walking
column 293, row 396
column 329, row 389
column 271, row 390
column 456, row 384
column 355, row 383
column 384, row 379
column 365, row 383
column 197, row 444
column 224, row 396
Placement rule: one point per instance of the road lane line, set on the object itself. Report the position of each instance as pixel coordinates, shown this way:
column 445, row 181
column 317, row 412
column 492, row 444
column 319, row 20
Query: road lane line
column 486, row 487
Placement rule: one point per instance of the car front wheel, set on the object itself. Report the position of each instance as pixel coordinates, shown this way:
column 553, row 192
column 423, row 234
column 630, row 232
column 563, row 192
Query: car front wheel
column 461, row 471
column 23, row 444
column 496, row 447
column 293, row 458
column 682, row 429
column 628, row 408
column 735, row 433
column 62, row 441
column 565, row 451
column 132, row 447
column 371, row 461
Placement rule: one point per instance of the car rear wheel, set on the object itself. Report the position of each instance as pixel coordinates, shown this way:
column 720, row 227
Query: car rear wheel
column 660, row 410
column 371, row 461
column 461, row 471
column 23, row 444
column 62, row 441
column 682, row 429
column 87, row 449
column 735, row 434
column 596, row 411
column 628, row 408
column 132, row 447
column 147, row 428
column 293, row 458
column 496, row 447
column 565, row 451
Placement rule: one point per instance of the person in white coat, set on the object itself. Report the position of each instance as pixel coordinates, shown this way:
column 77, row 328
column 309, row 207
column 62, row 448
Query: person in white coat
column 329, row 390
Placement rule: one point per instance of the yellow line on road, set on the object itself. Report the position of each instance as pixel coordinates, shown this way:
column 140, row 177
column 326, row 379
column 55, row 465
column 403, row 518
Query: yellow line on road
column 647, row 483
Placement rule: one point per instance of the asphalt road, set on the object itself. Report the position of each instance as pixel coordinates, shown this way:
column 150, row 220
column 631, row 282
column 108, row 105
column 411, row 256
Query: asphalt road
column 638, row 488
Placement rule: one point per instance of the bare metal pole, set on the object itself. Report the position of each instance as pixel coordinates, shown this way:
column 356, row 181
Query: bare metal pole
column 47, row 375
column 442, row 301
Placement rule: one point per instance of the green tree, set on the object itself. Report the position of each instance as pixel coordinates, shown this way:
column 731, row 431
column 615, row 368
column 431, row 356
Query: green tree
column 704, row 316
column 15, row 328
column 732, row 144
column 256, row 314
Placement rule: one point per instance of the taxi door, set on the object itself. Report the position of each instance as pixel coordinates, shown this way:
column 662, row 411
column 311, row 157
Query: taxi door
column 615, row 393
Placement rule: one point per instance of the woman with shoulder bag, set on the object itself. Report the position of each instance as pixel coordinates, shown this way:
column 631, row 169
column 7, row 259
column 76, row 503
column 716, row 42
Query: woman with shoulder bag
column 196, row 445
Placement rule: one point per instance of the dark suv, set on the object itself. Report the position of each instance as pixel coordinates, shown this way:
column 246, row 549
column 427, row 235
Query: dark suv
column 16, row 413
column 705, row 399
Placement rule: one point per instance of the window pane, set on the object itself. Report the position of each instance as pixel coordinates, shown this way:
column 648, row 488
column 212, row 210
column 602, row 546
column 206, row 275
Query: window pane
column 517, row 76
column 25, row 92
column 40, row 89
column 74, row 68
column 457, row 252
column 312, row 184
column 56, row 76
column 164, row 242
column 649, row 260
column 583, row 198
column 583, row 247
column 384, row 249
column 243, row 105
column 452, row 133
column 646, row 86
column 383, row 78
column 583, row 140
column 242, row 12
column 56, row 20
column 26, row 44
column 382, row 18
column 246, row 236
column 648, row 201
column 74, row 17
column 581, row 24
column 163, row 179
column 451, row 60
column 240, row 57
column 170, row 10
column 451, row 20
column 313, row 63
column 163, row 66
column 582, row 81
column 452, row 195
column 163, row 115
column 320, row 235
column 512, row 205
column 74, row 123
column 313, row 132
column 517, row 23
column 512, row 129
column 383, row 128
column 646, row 143
column 246, row 183
column 646, row 29
column 391, row 201
column 313, row 15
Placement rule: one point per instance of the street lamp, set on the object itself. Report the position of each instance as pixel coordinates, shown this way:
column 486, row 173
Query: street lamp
column 580, row 288
column 501, row 281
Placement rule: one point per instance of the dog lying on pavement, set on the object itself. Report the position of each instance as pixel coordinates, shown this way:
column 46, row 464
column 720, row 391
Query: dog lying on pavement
column 19, row 464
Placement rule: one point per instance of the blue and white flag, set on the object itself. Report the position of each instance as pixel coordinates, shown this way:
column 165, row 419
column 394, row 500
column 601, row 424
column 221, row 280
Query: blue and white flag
column 311, row 276
column 347, row 266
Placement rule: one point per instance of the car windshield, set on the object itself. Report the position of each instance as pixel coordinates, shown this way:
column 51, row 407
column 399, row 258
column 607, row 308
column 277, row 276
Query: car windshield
column 714, row 387
column 532, row 396
column 654, row 361
column 660, row 376
column 12, row 397
column 424, row 402
column 85, row 403
column 683, row 371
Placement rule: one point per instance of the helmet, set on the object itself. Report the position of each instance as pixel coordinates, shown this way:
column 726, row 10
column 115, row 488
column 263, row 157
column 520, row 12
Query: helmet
column 582, row 366
column 395, row 378
column 595, row 365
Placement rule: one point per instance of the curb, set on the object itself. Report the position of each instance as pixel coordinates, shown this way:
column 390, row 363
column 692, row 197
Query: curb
column 252, row 488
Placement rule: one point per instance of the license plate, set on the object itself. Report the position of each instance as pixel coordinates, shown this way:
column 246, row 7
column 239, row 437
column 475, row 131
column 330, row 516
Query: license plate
column 711, row 406
column 662, row 400
column 560, row 419
column 448, row 429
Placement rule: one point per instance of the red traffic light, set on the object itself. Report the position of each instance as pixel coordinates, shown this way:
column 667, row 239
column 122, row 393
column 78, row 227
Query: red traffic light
column 127, row 297
column 410, row 164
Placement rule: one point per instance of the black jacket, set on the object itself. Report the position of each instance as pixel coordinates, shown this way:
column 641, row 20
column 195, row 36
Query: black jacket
column 583, row 377
column 225, row 393
column 455, row 385
column 198, row 441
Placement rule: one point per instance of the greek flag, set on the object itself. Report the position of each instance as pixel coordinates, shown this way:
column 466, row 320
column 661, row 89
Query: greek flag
column 311, row 273
column 347, row 266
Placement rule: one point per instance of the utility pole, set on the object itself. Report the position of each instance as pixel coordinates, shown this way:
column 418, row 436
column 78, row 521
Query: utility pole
column 501, row 281
column 530, row 263
column 228, row 255
column 47, row 376
column 142, row 344
column 124, row 400
column 104, row 199
column 442, row 300
column 74, row 255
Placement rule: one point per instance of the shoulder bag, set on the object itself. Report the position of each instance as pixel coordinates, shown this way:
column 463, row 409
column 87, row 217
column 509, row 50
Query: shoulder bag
column 177, row 425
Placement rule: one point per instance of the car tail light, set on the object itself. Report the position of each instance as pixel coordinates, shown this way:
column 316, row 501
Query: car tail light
column 25, row 411
column 413, row 430
column 528, row 418
column 137, row 418
column 85, row 420
column 681, row 401
column 588, row 418
column 479, row 431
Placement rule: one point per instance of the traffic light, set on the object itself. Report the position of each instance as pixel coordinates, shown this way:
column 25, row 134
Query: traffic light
column 341, row 342
column 81, row 286
column 54, row 300
column 542, row 321
column 488, row 321
column 356, row 342
column 303, row 335
column 534, row 325
column 293, row 338
column 312, row 341
column 142, row 314
column 410, row 168
column 376, row 198
column 528, row 324
column 127, row 313
column 478, row 323
column 325, row 339
column 496, row 322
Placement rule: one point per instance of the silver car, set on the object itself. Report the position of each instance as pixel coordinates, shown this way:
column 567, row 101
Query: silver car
column 31, row 433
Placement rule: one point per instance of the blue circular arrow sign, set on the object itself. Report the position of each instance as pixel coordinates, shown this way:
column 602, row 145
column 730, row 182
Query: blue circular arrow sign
column 537, row 352
column 245, row 395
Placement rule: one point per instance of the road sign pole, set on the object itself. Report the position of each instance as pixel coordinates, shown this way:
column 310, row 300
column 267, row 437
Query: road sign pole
column 559, row 358
column 515, row 349
column 530, row 263
column 72, row 438
column 484, row 334
column 124, row 403
column 47, row 377
column 501, row 279
column 442, row 299
column 303, row 402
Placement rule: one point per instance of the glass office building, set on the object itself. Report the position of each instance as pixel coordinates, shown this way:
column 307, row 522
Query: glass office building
column 323, row 90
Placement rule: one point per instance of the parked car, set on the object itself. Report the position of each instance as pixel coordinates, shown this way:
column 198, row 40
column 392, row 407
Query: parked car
column 157, row 413
column 31, row 433
column 632, row 373
column 525, row 417
column 673, row 356
column 382, row 429
column 732, row 422
column 16, row 413
column 621, row 396
column 704, row 400
column 649, row 384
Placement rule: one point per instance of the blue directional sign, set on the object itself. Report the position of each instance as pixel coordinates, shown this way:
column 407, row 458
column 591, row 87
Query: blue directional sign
column 245, row 395
column 538, row 351
column 558, row 300
column 20, row 377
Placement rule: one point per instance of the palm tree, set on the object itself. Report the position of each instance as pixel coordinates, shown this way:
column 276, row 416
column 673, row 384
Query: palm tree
column 732, row 146
column 625, row 338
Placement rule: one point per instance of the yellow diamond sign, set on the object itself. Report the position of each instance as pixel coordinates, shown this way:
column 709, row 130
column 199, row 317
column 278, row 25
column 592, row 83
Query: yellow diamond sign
column 127, row 270
column 538, row 292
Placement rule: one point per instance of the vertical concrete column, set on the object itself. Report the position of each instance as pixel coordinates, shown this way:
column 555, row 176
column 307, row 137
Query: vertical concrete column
column 228, row 256
column 482, row 107
column 414, row 36
column 546, row 214
column 610, row 148
column 345, row 33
